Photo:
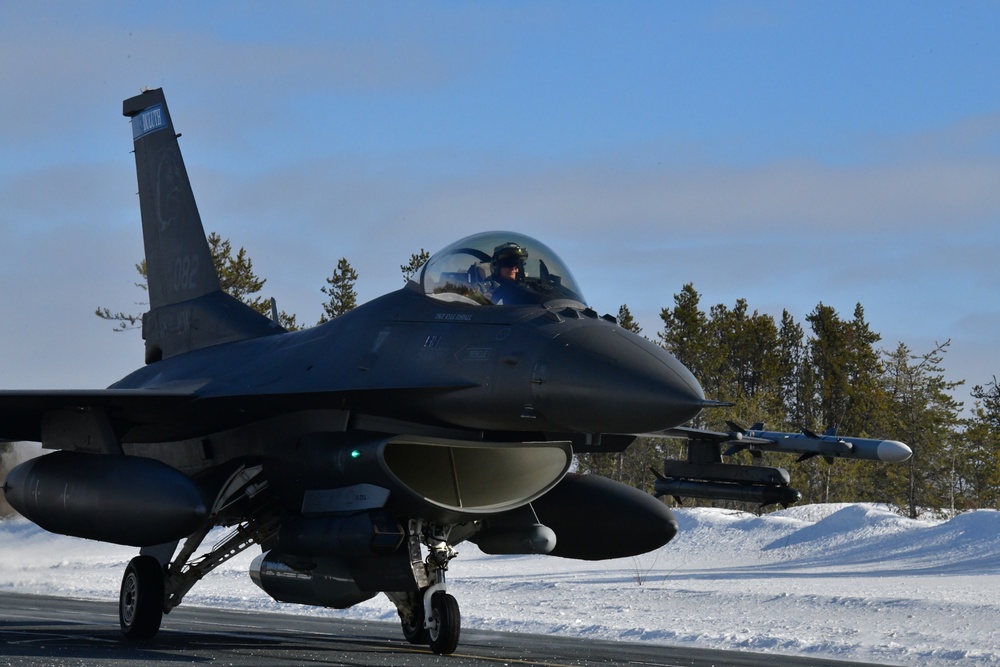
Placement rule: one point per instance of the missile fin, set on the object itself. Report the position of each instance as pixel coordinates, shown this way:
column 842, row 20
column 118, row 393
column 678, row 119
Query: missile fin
column 736, row 449
column 733, row 426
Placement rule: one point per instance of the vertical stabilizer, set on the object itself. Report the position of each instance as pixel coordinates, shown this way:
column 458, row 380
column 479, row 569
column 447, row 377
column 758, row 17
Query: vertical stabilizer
column 178, row 262
column 187, row 309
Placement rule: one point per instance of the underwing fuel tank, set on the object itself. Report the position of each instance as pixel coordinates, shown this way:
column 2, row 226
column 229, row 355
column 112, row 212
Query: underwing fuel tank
column 596, row 518
column 119, row 499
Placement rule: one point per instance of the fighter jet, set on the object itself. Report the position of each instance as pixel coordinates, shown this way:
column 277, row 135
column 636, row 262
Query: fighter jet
column 358, row 454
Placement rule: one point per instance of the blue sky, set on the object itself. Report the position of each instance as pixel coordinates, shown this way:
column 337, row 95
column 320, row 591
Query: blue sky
column 788, row 153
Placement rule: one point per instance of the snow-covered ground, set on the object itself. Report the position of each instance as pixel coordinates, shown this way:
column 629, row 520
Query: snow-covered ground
column 853, row 582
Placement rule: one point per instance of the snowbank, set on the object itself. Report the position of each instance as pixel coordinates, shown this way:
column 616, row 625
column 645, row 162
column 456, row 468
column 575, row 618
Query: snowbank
column 854, row 582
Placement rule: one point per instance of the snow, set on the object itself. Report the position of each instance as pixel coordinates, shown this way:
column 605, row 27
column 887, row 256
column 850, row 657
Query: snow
column 848, row 581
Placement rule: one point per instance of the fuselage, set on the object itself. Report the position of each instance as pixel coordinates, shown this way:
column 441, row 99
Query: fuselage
column 538, row 368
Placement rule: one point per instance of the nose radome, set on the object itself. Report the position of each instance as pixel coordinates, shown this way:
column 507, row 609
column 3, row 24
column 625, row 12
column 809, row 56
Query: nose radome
column 602, row 379
column 893, row 451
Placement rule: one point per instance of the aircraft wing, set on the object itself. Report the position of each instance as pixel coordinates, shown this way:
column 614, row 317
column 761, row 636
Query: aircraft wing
column 72, row 419
column 24, row 414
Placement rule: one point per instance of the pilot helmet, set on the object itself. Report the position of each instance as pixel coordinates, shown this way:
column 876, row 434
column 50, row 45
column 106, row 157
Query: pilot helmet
column 508, row 254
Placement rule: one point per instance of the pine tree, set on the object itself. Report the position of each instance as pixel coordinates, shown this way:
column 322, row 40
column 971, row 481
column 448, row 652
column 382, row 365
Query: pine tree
column 236, row 275
column 340, row 288
column 126, row 321
column 626, row 321
column 685, row 335
column 417, row 260
column 829, row 352
column 925, row 416
column 980, row 469
column 745, row 353
column 796, row 387
column 867, row 398
column 236, row 278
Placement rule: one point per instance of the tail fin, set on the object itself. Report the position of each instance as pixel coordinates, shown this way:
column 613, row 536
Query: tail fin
column 187, row 308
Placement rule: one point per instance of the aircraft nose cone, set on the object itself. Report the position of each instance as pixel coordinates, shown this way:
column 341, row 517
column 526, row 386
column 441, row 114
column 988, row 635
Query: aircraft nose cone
column 893, row 451
column 604, row 380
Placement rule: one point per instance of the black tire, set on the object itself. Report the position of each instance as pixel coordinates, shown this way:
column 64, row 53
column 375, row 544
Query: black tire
column 140, row 602
column 443, row 635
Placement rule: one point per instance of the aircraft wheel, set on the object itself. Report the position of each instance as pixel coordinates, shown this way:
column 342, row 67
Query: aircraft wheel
column 140, row 603
column 446, row 624
column 414, row 631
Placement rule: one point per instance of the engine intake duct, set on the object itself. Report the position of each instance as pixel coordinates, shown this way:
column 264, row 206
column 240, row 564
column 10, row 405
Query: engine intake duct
column 476, row 477
column 450, row 481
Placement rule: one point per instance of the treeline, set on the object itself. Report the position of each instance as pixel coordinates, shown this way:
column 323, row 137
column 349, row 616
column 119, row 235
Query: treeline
column 238, row 278
column 828, row 371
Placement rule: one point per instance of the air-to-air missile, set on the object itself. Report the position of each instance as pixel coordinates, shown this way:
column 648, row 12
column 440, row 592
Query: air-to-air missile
column 704, row 475
column 809, row 444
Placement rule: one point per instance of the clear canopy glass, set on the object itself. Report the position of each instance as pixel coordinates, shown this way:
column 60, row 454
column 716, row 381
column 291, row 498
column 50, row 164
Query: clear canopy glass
column 499, row 269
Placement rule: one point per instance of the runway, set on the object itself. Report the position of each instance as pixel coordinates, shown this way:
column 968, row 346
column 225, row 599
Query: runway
column 37, row 630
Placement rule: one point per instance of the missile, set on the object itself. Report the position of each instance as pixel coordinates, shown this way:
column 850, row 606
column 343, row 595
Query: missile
column 750, row 493
column 725, row 481
column 810, row 444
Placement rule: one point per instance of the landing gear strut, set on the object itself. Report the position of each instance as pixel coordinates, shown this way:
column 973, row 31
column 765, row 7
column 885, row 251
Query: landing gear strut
column 155, row 584
column 430, row 616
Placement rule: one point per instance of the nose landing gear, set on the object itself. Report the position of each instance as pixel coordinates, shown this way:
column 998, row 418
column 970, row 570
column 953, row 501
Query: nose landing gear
column 431, row 616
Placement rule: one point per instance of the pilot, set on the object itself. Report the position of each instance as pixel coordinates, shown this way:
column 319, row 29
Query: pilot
column 506, row 270
column 508, row 262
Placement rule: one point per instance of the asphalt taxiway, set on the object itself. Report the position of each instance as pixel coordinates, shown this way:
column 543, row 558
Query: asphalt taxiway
column 38, row 630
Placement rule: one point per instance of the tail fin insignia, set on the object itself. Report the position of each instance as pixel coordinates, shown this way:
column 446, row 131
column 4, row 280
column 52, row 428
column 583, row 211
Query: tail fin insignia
column 152, row 119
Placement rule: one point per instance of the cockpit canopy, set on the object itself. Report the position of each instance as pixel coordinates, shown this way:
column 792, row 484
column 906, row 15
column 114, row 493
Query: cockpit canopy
column 500, row 269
